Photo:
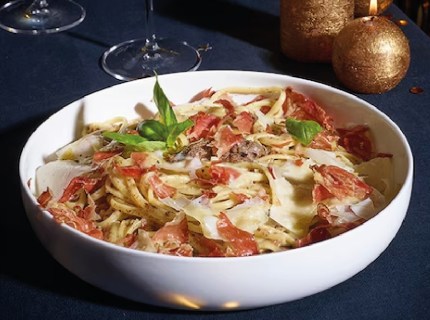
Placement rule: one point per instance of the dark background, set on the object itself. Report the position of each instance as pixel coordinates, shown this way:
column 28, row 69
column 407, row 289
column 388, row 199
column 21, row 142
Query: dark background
column 38, row 75
column 417, row 10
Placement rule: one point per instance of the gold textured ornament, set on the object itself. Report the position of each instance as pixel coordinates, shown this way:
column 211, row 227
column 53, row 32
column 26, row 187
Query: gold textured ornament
column 361, row 7
column 371, row 55
column 308, row 27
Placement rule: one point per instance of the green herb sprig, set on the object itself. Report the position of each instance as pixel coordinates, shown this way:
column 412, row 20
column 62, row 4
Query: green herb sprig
column 303, row 130
column 135, row 142
column 153, row 134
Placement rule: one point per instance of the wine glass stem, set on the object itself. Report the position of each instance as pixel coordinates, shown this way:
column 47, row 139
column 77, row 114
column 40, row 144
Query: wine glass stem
column 150, row 34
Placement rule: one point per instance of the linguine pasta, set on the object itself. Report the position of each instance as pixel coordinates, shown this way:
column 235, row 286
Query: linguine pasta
column 260, row 170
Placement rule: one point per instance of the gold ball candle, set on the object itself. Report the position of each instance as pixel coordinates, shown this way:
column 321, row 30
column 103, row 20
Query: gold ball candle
column 361, row 7
column 371, row 55
column 308, row 27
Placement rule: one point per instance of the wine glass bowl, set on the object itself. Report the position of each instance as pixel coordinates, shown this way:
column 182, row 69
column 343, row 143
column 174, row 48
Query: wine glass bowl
column 137, row 58
column 40, row 16
column 140, row 58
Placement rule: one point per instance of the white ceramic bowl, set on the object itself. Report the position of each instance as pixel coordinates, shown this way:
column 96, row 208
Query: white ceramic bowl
column 214, row 283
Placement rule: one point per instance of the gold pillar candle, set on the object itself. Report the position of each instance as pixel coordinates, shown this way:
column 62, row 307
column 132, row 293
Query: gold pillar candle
column 308, row 27
column 361, row 7
column 371, row 55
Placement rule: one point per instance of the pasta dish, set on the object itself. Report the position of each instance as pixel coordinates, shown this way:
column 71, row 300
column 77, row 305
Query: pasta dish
column 237, row 171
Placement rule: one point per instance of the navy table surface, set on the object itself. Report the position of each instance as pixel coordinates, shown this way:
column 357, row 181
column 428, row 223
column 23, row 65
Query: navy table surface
column 40, row 74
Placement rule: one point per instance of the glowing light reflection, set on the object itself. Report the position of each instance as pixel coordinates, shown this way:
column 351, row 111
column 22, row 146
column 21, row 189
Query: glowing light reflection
column 194, row 302
column 181, row 300
column 231, row 305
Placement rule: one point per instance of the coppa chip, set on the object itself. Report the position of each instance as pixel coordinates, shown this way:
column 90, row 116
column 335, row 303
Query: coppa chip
column 242, row 171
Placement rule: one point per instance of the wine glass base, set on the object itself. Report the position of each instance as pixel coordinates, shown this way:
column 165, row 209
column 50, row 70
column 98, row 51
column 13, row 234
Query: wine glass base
column 134, row 59
column 24, row 16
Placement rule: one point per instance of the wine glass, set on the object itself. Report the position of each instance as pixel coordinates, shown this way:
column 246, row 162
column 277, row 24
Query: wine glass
column 40, row 16
column 140, row 58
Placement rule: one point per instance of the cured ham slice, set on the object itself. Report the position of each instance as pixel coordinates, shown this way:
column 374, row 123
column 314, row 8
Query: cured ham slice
column 225, row 139
column 356, row 141
column 300, row 107
column 242, row 242
column 203, row 124
column 341, row 183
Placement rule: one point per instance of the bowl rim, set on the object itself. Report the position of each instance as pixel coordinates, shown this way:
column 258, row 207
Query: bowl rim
column 408, row 181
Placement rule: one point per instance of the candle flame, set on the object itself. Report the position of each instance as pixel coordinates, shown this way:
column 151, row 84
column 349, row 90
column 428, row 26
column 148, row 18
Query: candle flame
column 373, row 8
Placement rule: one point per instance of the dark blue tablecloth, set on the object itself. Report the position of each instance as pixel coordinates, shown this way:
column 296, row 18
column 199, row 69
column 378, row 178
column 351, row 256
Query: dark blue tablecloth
column 41, row 74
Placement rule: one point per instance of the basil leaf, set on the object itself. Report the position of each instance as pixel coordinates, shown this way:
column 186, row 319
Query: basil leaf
column 152, row 145
column 163, row 105
column 149, row 146
column 127, row 139
column 176, row 130
column 303, row 130
column 152, row 130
